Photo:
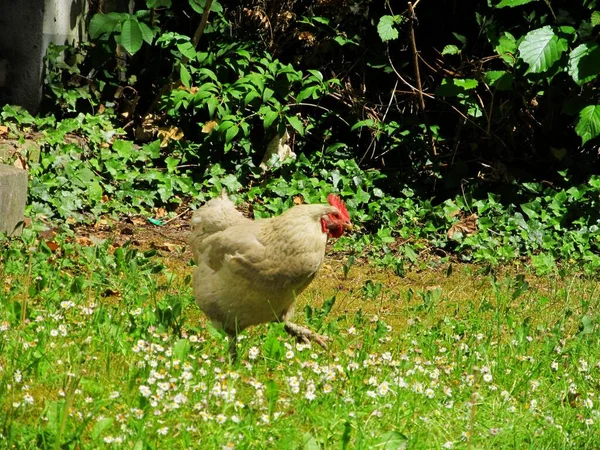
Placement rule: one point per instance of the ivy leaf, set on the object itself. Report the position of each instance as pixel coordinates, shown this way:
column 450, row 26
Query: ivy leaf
column 541, row 48
column 386, row 28
column 513, row 3
column 584, row 63
column 296, row 123
column 588, row 125
column 131, row 36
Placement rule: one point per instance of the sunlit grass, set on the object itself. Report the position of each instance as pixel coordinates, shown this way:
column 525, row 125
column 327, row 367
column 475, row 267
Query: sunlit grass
column 113, row 353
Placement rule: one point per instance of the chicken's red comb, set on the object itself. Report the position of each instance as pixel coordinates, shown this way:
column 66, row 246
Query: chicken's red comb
column 334, row 200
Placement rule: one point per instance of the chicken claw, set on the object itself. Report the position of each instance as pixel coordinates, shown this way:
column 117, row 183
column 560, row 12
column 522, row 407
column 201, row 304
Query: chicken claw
column 305, row 335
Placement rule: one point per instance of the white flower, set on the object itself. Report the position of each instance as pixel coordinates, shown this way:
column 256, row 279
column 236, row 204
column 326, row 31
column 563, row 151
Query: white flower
column 383, row 389
column 221, row 418
column 163, row 431
column 253, row 353
column 145, row 391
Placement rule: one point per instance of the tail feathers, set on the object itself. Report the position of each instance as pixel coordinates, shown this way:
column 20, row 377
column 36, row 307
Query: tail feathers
column 216, row 215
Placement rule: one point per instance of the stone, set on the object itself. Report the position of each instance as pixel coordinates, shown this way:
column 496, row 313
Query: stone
column 13, row 197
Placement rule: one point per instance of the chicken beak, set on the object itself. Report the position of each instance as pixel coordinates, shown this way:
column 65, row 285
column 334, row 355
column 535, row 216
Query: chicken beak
column 348, row 227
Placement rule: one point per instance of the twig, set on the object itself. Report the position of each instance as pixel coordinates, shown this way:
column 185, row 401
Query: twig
column 413, row 43
column 185, row 211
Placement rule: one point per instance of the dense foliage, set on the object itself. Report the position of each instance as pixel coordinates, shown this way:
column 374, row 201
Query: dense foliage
column 284, row 101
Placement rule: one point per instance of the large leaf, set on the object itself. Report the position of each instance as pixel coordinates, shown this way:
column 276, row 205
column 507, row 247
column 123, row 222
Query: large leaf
column 588, row 125
column 386, row 28
column 104, row 23
column 392, row 440
column 131, row 36
column 584, row 63
column 541, row 48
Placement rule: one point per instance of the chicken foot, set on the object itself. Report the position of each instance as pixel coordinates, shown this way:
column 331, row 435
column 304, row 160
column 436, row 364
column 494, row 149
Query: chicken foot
column 305, row 335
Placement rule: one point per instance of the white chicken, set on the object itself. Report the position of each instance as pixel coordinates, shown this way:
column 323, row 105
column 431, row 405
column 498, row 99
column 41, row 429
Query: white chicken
column 250, row 271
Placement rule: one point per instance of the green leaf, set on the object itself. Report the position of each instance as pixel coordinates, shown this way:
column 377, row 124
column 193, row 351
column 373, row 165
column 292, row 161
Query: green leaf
column 267, row 94
column 541, row 48
column 595, row 19
column 450, row 50
column 104, row 23
column 363, row 123
column 588, row 125
column 131, row 36
column 587, row 325
column 507, row 48
column 147, row 33
column 185, row 76
column 309, row 442
column 451, row 87
column 386, row 29
column 269, row 118
column 392, row 440
column 187, row 50
column 211, row 104
column 231, row 133
column 306, row 93
column 102, row 425
column 296, row 123
column 513, row 3
column 181, row 349
column 499, row 79
column 531, row 209
column 584, row 63
column 543, row 263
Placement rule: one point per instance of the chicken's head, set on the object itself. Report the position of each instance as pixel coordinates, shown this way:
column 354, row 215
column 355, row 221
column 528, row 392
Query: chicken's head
column 336, row 222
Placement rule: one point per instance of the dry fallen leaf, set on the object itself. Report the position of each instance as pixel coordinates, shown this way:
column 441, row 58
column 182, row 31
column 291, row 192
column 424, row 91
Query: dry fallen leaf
column 167, row 134
column 464, row 227
column 166, row 246
column 209, row 126
column 84, row 241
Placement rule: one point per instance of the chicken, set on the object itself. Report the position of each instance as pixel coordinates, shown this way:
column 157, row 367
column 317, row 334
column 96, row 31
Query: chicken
column 251, row 271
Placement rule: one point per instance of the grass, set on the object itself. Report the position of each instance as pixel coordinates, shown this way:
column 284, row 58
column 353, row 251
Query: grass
column 103, row 347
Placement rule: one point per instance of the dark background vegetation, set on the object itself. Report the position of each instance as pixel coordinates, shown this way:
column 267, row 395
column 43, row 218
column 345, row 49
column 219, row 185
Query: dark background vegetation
column 174, row 103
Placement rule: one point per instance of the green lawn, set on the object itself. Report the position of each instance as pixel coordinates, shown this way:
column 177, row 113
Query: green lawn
column 105, row 348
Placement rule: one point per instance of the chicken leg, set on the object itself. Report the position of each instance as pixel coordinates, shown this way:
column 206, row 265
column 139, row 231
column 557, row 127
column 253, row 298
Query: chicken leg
column 305, row 335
